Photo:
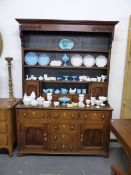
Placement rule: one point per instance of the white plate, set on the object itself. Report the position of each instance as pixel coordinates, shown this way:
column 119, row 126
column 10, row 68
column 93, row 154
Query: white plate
column 89, row 61
column 101, row 61
column 76, row 60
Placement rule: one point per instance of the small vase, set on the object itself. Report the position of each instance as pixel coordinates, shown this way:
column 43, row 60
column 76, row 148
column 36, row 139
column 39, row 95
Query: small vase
column 65, row 59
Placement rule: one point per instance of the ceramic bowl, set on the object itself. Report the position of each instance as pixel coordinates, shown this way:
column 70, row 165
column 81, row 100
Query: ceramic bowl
column 102, row 98
column 56, row 103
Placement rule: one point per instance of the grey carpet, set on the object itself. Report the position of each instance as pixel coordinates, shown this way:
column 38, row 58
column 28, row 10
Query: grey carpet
column 62, row 165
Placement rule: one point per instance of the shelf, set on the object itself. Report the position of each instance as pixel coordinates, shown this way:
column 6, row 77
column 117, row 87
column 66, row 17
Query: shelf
column 70, row 82
column 63, row 67
column 65, row 50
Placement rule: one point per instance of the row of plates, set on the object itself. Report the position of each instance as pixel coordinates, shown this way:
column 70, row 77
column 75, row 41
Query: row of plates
column 31, row 58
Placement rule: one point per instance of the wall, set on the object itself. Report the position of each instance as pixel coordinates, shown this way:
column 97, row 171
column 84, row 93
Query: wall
column 71, row 10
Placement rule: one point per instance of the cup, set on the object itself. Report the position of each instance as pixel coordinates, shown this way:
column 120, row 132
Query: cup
column 98, row 79
column 84, row 91
column 103, row 77
column 78, row 91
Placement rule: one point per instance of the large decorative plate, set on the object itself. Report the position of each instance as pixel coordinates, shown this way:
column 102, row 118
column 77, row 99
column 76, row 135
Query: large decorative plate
column 101, row 61
column 31, row 58
column 89, row 61
column 43, row 59
column 66, row 44
column 76, row 60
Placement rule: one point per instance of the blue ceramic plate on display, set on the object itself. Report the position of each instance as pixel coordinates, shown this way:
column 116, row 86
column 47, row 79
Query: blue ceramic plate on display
column 66, row 44
column 43, row 59
column 31, row 58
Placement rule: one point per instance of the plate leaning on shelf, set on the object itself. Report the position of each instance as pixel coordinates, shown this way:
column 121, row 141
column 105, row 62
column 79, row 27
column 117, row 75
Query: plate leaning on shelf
column 101, row 61
column 89, row 61
column 31, row 58
column 66, row 44
column 76, row 60
column 43, row 59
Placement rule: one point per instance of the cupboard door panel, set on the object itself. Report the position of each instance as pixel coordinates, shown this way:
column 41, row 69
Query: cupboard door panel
column 34, row 135
column 30, row 86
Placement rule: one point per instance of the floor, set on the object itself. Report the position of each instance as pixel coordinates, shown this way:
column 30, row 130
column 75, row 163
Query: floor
column 62, row 165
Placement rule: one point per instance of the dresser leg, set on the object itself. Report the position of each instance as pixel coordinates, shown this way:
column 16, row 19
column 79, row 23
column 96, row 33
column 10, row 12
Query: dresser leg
column 10, row 150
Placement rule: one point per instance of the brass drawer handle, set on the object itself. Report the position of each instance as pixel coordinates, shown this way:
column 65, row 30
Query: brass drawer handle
column 42, row 115
column 25, row 114
column 55, row 148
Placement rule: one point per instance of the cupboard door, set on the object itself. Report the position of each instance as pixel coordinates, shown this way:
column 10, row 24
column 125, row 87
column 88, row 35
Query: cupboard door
column 34, row 136
column 30, row 86
column 93, row 137
column 98, row 89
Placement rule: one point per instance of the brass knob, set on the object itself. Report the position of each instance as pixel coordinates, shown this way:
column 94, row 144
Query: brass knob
column 25, row 114
column 103, row 116
column 64, row 113
column 55, row 148
column 72, row 115
column 81, row 135
column 63, row 146
column 72, row 127
column 63, row 136
column 45, row 134
column 55, row 138
column 33, row 112
column 55, row 115
column 86, row 116
column 94, row 114
column 81, row 140
column 64, row 125
column 55, row 127
column 45, row 138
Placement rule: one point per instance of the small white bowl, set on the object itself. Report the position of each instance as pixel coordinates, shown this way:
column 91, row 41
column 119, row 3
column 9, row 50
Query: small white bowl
column 56, row 103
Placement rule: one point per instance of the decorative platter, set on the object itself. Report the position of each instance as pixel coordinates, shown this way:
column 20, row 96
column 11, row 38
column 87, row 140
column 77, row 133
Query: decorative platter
column 31, row 58
column 66, row 44
column 89, row 61
column 101, row 61
column 76, row 60
column 43, row 59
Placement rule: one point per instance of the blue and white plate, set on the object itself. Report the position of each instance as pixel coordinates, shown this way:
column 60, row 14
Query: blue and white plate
column 31, row 58
column 66, row 44
column 43, row 59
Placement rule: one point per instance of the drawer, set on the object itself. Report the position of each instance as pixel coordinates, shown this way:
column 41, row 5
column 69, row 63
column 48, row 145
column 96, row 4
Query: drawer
column 64, row 138
column 32, row 114
column 3, row 127
column 3, row 139
column 63, row 127
column 94, row 116
column 63, row 114
column 3, row 115
column 63, row 148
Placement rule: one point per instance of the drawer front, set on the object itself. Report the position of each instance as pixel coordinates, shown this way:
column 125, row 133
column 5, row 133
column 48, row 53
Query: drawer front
column 32, row 114
column 63, row 127
column 94, row 116
column 3, row 139
column 3, row 127
column 64, row 138
column 3, row 115
column 63, row 148
column 63, row 114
